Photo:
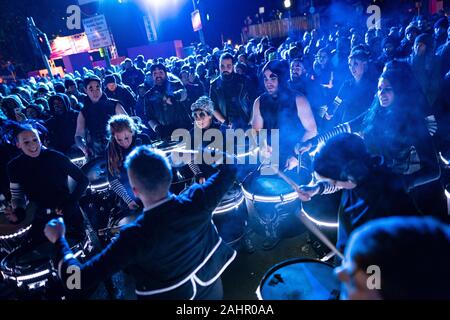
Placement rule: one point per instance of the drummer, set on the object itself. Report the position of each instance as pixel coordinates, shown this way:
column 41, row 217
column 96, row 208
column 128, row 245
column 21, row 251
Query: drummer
column 90, row 135
column 370, row 189
column 40, row 175
column 283, row 109
column 202, row 113
column 123, row 135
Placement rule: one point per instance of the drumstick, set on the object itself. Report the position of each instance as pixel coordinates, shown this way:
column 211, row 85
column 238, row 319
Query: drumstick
column 287, row 179
column 307, row 222
column 319, row 234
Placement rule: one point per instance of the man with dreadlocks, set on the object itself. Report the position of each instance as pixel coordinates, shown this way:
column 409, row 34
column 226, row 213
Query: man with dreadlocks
column 40, row 176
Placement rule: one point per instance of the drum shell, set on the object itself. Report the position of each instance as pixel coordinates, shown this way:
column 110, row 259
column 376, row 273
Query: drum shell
column 13, row 236
column 273, row 205
column 31, row 268
column 96, row 171
column 182, row 178
column 98, row 207
column 116, row 222
column 322, row 210
column 299, row 279
column 230, row 217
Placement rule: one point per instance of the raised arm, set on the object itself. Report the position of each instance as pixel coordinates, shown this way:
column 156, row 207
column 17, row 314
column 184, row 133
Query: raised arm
column 306, row 117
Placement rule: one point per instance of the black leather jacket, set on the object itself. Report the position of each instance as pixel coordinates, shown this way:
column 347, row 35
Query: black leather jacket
column 172, row 250
column 229, row 94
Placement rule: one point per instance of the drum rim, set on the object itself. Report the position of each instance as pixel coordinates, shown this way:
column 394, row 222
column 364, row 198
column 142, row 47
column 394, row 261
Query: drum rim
column 281, row 264
column 292, row 196
column 16, row 233
column 320, row 223
column 226, row 207
column 43, row 268
column 98, row 186
column 287, row 197
column 170, row 148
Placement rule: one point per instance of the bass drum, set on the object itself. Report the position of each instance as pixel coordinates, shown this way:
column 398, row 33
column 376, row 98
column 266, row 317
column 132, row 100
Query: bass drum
column 230, row 216
column 299, row 279
column 32, row 273
column 13, row 236
column 273, row 204
column 96, row 171
column 182, row 175
column 77, row 157
column 116, row 222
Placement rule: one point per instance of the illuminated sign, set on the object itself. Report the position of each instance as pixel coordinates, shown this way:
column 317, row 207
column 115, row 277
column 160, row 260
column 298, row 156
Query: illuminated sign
column 64, row 46
column 97, row 32
column 196, row 20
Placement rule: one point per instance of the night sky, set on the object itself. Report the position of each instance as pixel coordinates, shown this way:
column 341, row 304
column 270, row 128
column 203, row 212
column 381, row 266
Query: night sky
column 126, row 22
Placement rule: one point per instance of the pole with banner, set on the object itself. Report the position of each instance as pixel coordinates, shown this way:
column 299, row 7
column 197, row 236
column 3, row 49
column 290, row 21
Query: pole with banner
column 98, row 35
column 40, row 44
column 197, row 22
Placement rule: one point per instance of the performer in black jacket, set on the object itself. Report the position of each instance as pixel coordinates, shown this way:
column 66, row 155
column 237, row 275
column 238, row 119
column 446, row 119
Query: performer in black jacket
column 40, row 176
column 172, row 250
column 371, row 190
column 163, row 104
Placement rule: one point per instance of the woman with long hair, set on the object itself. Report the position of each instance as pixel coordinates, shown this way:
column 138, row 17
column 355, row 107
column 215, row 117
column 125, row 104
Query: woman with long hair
column 123, row 135
column 395, row 128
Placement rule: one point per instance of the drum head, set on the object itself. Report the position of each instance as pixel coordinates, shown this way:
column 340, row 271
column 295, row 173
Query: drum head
column 164, row 145
column 77, row 157
column 31, row 258
column 299, row 279
column 170, row 149
column 8, row 229
column 233, row 196
column 273, row 185
column 28, row 258
column 96, row 171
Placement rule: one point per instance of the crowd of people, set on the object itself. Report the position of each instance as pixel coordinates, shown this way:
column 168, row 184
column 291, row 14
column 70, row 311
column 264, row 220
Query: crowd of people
column 369, row 107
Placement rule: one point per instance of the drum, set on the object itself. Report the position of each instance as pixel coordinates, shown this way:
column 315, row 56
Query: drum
column 99, row 207
column 323, row 210
column 272, row 203
column 96, row 171
column 447, row 195
column 116, row 222
column 30, row 268
column 169, row 148
column 230, row 216
column 299, row 279
column 77, row 157
column 182, row 175
column 13, row 236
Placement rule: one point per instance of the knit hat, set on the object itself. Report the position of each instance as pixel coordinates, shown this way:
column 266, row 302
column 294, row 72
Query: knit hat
column 90, row 77
column 203, row 103
column 442, row 23
column 109, row 79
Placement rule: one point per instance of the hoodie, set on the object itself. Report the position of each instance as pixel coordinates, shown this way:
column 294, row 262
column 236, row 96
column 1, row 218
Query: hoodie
column 62, row 126
column 9, row 104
